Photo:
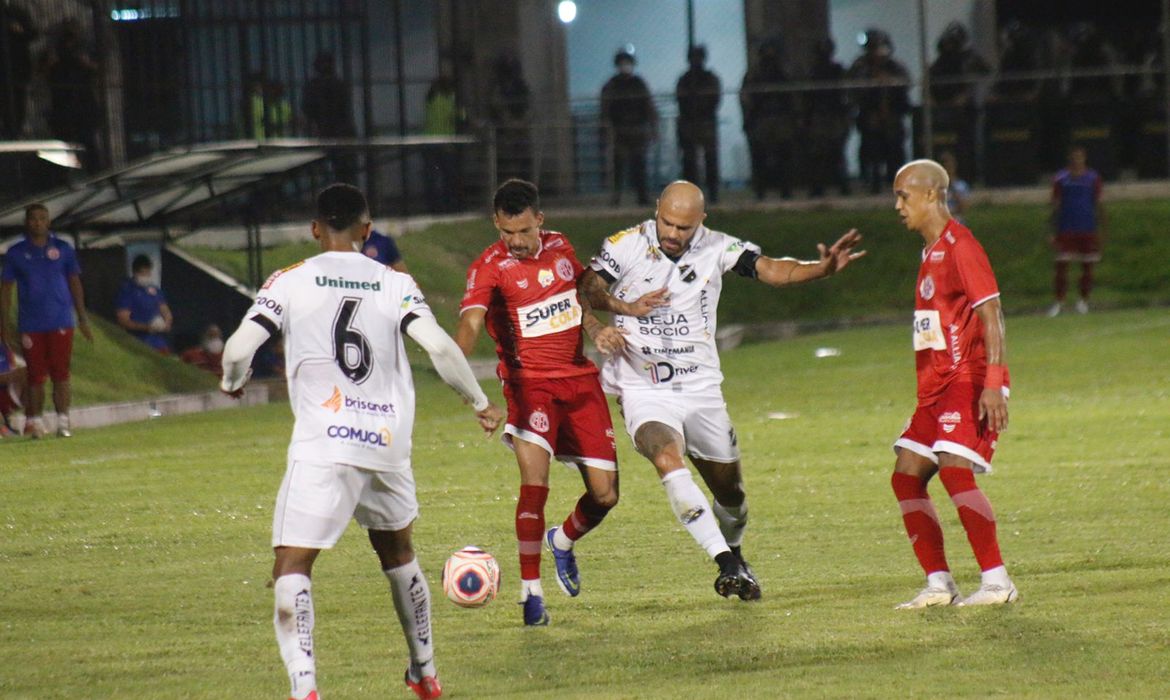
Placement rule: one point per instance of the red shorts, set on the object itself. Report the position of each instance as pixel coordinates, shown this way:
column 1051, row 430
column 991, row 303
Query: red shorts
column 1078, row 247
column 569, row 417
column 951, row 424
column 48, row 355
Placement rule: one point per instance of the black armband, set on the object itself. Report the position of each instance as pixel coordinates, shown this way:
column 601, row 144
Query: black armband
column 406, row 321
column 265, row 323
column 746, row 265
column 605, row 275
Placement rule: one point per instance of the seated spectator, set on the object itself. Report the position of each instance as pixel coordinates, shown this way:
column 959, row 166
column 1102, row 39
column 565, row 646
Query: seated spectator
column 142, row 307
column 382, row 248
column 12, row 374
column 208, row 354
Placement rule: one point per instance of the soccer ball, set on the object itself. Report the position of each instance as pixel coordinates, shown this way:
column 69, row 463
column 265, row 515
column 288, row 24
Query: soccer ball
column 471, row 577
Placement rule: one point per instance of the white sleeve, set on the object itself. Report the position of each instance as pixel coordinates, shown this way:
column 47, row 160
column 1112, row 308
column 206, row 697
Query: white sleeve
column 448, row 359
column 238, row 352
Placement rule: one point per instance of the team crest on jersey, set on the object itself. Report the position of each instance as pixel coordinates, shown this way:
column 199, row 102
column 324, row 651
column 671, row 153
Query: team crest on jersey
column 52, row 253
column 926, row 289
column 938, row 255
column 949, row 421
column 522, row 282
column 371, row 252
column 545, row 277
column 565, row 269
column 539, row 421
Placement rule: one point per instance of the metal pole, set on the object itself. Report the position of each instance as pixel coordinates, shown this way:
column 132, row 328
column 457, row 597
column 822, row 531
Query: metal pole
column 400, row 75
column 690, row 25
column 927, row 113
column 1166, row 75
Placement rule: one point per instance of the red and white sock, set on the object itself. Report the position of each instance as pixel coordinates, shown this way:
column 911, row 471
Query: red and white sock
column 530, row 529
column 975, row 513
column 921, row 520
column 587, row 515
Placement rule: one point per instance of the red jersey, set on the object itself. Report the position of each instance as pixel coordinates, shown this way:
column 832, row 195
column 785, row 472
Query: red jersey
column 532, row 309
column 955, row 277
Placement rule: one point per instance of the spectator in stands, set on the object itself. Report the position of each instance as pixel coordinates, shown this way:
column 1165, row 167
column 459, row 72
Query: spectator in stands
column 699, row 93
column 1019, row 55
column 267, row 113
column 12, row 383
column 208, row 354
column 382, row 248
column 956, row 61
column 141, row 307
column 71, row 74
column 958, row 192
column 443, row 117
column 826, row 121
column 1077, row 217
column 328, row 103
column 770, row 120
column 509, row 105
column 17, row 33
column 44, row 270
column 1090, row 52
column 881, row 109
column 630, row 123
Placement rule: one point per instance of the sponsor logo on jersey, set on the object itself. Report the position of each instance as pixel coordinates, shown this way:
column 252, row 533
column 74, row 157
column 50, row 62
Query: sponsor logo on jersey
column 926, row 288
column 557, row 313
column 278, row 273
column 413, row 300
column 609, row 262
column 342, row 283
column 937, row 256
column 471, row 279
column 667, row 325
column 622, row 234
column 338, row 401
column 950, row 421
column 950, row 237
column 507, row 262
column 522, row 282
column 552, row 243
column 545, row 277
column 565, row 269
column 538, row 421
column 683, row 350
column 366, row 438
column 738, row 245
column 271, row 304
column 662, row 372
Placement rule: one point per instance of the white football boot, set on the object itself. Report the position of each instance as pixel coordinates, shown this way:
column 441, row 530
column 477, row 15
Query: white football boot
column 931, row 596
column 991, row 594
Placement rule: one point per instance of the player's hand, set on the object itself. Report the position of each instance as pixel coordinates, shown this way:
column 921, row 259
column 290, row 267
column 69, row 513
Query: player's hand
column 610, row 340
column 239, row 390
column 490, row 418
column 646, row 303
column 993, row 407
column 83, row 326
column 837, row 256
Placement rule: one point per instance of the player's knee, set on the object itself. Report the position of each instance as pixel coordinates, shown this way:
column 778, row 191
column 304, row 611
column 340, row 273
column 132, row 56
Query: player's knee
column 607, row 498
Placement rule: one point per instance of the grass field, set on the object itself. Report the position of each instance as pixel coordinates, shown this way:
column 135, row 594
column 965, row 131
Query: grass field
column 135, row 558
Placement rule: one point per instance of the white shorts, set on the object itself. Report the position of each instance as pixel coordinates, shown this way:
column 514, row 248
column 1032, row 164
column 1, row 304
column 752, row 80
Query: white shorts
column 701, row 419
column 316, row 502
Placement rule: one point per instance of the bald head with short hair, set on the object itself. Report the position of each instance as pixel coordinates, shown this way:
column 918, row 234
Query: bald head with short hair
column 925, row 173
column 681, row 210
column 682, row 198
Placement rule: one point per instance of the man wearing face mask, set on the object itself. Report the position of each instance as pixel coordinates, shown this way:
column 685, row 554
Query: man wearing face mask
column 142, row 307
column 208, row 354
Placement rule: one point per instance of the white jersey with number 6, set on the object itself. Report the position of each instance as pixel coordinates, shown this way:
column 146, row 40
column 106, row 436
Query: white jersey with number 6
column 349, row 380
column 673, row 348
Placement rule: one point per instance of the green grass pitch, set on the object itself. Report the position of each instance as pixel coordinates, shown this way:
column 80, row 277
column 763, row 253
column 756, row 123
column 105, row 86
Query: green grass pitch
column 134, row 559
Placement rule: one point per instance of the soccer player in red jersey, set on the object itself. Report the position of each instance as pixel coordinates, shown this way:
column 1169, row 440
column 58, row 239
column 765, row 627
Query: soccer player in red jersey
column 523, row 288
column 962, row 391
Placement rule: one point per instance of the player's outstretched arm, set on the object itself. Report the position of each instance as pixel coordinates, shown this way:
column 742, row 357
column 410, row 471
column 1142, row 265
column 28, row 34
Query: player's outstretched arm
column 238, row 352
column 594, row 291
column 470, row 324
column 992, row 402
column 452, row 366
column 781, row 272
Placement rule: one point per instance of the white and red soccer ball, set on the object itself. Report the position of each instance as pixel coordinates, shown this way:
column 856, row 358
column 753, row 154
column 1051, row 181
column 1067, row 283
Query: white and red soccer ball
column 471, row 577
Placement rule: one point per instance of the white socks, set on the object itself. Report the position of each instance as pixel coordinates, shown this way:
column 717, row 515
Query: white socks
column 941, row 580
column 561, row 540
column 530, row 587
column 996, row 577
column 690, row 506
column 293, row 621
column 732, row 521
column 412, row 601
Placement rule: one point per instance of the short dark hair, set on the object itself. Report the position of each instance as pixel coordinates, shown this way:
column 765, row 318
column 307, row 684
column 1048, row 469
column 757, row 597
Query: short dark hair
column 341, row 206
column 140, row 262
column 516, row 195
column 35, row 206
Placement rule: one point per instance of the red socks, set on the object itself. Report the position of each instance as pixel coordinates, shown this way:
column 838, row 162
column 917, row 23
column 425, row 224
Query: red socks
column 975, row 513
column 530, row 529
column 587, row 515
column 921, row 521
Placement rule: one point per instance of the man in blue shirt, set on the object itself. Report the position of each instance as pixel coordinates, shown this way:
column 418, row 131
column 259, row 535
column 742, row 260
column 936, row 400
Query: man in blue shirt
column 382, row 248
column 142, row 307
column 1077, row 215
column 44, row 271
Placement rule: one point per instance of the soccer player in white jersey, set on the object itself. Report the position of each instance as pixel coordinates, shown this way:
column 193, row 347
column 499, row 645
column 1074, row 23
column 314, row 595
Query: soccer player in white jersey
column 343, row 316
column 668, row 377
